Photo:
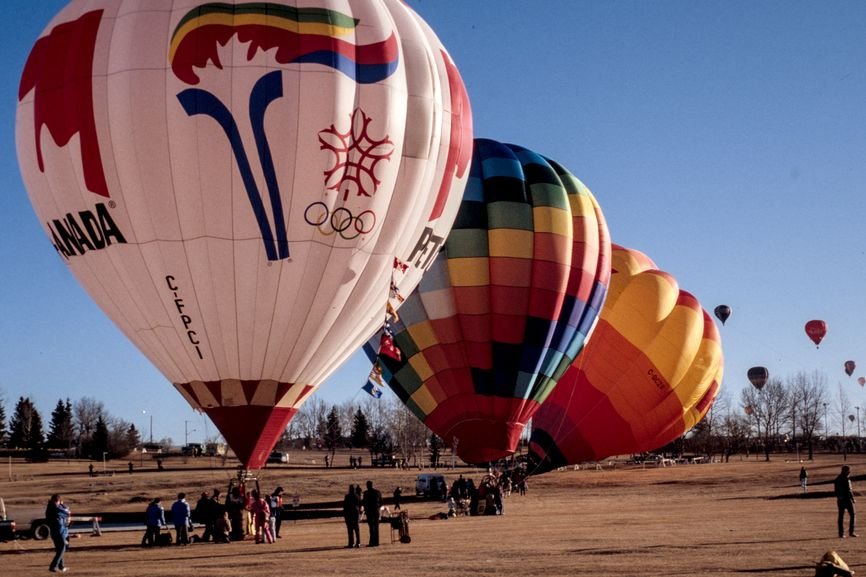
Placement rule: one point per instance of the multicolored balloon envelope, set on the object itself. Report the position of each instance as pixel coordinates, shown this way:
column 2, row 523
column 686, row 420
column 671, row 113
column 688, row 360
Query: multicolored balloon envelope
column 649, row 373
column 506, row 306
column 232, row 182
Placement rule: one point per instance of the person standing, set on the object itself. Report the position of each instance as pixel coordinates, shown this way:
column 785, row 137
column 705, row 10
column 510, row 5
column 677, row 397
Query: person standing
column 277, row 511
column 154, row 521
column 804, row 478
column 203, row 513
column 398, row 494
column 261, row 513
column 180, row 516
column 235, row 507
column 844, row 501
column 57, row 516
column 352, row 517
column 372, row 504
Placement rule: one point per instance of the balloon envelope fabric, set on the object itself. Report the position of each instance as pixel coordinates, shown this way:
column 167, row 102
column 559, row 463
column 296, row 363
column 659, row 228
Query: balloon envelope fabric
column 650, row 372
column 233, row 181
column 507, row 304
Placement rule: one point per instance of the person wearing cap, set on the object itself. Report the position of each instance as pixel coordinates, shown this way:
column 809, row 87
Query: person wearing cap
column 845, row 501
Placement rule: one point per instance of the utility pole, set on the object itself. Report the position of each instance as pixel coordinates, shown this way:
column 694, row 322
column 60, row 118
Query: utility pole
column 826, row 423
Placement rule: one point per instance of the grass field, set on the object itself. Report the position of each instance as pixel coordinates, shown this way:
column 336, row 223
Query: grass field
column 724, row 519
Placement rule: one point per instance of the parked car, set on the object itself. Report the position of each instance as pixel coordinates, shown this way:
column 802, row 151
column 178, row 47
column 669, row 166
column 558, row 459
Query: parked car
column 278, row 457
column 384, row 460
column 430, row 485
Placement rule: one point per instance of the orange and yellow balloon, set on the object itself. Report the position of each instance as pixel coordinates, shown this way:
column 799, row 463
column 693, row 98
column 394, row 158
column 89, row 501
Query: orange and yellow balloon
column 648, row 374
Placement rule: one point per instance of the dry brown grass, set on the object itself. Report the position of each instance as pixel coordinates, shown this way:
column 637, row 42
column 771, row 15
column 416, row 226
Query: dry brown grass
column 743, row 517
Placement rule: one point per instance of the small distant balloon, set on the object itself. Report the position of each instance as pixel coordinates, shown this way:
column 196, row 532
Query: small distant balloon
column 749, row 410
column 722, row 312
column 861, row 381
column 849, row 367
column 851, row 418
column 758, row 377
column 816, row 330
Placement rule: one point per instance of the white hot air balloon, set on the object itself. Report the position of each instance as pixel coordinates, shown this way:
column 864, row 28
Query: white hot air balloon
column 243, row 186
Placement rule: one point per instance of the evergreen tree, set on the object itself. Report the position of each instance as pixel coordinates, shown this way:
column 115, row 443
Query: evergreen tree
column 37, row 435
column 334, row 431
column 133, row 439
column 360, row 430
column 3, row 432
column 25, row 427
column 99, row 443
column 61, row 431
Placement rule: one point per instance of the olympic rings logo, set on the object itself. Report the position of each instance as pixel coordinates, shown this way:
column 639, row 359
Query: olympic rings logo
column 341, row 221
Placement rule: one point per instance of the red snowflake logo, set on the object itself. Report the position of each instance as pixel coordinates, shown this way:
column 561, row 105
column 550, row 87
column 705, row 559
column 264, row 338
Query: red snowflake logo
column 356, row 155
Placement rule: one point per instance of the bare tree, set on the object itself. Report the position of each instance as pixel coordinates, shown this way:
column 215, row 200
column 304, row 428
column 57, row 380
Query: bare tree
column 808, row 395
column 408, row 432
column 311, row 421
column 87, row 411
column 843, row 407
column 705, row 435
column 770, row 408
column 735, row 428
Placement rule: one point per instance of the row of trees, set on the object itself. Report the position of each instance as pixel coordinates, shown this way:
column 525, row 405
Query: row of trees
column 799, row 413
column 785, row 415
column 382, row 426
column 83, row 429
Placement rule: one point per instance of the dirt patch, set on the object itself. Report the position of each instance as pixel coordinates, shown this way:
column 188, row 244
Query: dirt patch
column 720, row 519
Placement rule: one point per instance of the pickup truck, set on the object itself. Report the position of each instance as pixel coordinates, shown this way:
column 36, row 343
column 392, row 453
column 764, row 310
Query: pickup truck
column 7, row 530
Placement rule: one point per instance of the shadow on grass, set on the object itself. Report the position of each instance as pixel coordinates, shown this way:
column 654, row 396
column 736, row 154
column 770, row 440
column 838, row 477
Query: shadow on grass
column 173, row 552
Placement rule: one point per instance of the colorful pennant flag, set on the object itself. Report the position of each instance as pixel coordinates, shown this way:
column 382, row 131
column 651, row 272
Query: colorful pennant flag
column 388, row 348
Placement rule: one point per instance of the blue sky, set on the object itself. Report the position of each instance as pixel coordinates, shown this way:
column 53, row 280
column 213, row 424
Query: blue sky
column 726, row 140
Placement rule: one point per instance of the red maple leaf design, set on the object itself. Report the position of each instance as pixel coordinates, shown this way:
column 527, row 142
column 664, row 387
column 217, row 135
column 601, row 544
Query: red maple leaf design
column 356, row 155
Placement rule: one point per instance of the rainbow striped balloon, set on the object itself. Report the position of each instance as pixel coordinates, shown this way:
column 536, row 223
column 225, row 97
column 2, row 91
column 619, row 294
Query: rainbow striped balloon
column 506, row 306
column 649, row 374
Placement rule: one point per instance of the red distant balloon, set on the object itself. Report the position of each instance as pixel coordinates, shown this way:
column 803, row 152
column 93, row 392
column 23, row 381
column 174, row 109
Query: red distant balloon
column 816, row 331
column 849, row 367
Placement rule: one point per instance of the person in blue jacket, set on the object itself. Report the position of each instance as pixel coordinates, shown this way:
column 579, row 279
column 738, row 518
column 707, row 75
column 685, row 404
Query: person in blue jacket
column 180, row 516
column 57, row 516
column 154, row 520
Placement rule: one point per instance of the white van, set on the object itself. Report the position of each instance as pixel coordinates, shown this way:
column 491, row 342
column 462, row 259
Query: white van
column 428, row 484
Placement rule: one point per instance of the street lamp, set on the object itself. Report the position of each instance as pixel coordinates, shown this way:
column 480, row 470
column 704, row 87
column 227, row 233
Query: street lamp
column 186, row 432
column 858, row 428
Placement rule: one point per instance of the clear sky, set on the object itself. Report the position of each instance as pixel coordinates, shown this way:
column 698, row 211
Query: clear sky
column 726, row 140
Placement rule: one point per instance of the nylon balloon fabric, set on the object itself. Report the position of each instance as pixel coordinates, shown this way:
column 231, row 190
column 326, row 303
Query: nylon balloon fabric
column 235, row 182
column 507, row 304
column 649, row 373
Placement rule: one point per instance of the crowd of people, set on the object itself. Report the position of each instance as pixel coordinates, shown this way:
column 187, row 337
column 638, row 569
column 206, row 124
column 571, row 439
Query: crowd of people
column 240, row 515
column 486, row 498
